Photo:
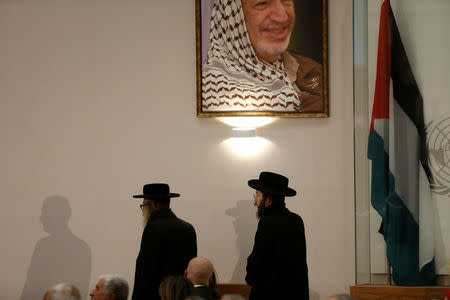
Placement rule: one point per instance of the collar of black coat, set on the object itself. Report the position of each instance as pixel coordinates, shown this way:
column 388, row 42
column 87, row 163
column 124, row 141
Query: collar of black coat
column 162, row 213
column 274, row 209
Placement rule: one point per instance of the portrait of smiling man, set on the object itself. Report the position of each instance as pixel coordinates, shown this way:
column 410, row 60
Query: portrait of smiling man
column 249, row 66
column 269, row 26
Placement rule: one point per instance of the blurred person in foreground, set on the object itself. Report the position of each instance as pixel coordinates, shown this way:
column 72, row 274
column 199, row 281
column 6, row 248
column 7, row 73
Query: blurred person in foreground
column 110, row 287
column 200, row 271
column 62, row 291
column 176, row 288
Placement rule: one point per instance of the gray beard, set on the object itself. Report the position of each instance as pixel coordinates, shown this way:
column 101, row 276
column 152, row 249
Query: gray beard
column 145, row 218
column 259, row 47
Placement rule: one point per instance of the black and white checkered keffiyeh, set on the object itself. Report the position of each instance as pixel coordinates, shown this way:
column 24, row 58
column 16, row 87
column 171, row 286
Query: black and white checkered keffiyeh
column 233, row 77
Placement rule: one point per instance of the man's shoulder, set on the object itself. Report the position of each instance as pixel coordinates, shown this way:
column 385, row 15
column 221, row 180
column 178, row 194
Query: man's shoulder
column 174, row 223
column 293, row 215
column 302, row 60
column 186, row 224
column 267, row 221
column 296, row 217
column 171, row 219
column 281, row 217
column 204, row 292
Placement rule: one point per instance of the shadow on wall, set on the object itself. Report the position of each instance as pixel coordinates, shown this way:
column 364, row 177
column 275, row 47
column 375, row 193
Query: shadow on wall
column 59, row 257
column 313, row 295
column 245, row 223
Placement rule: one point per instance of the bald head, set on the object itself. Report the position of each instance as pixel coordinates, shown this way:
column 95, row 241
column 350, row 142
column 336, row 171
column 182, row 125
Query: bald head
column 199, row 271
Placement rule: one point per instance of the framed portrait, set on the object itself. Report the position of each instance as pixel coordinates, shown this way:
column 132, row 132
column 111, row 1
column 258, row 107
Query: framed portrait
column 262, row 58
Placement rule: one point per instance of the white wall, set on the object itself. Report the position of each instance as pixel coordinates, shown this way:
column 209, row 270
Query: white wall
column 98, row 98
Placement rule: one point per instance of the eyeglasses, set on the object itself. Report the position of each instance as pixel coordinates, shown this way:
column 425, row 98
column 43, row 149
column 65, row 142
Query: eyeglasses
column 142, row 206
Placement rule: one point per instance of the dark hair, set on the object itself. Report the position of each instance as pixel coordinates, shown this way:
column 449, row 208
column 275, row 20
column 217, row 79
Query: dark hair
column 161, row 203
column 176, row 288
column 276, row 199
column 165, row 203
column 213, row 286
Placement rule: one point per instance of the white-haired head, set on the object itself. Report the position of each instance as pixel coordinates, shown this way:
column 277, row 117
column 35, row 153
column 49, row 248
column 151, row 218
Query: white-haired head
column 115, row 284
column 63, row 291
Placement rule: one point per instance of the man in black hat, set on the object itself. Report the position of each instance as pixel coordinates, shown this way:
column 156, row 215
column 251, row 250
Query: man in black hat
column 168, row 243
column 277, row 268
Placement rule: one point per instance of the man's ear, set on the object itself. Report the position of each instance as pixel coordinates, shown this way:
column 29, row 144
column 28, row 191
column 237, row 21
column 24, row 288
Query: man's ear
column 154, row 205
column 185, row 273
column 210, row 281
column 267, row 201
column 111, row 296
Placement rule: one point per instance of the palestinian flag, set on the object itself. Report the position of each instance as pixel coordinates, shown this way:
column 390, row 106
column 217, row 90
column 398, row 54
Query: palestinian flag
column 400, row 189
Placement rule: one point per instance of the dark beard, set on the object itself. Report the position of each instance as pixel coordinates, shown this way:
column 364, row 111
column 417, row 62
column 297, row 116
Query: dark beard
column 260, row 210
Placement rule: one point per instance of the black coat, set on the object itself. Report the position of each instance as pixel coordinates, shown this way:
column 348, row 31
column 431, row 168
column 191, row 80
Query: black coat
column 168, row 244
column 204, row 292
column 276, row 268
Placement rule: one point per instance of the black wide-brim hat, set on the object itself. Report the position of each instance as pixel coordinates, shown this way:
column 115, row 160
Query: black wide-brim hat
column 156, row 191
column 272, row 183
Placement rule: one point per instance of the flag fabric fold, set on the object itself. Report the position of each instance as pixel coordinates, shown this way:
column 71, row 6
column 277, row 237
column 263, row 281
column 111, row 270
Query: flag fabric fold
column 400, row 187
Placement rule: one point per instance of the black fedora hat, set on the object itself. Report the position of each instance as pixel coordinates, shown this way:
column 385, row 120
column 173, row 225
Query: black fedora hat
column 272, row 183
column 155, row 191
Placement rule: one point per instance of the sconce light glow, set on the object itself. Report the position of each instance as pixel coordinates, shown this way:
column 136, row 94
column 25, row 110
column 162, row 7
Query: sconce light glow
column 244, row 141
column 249, row 122
column 244, row 132
column 247, row 146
